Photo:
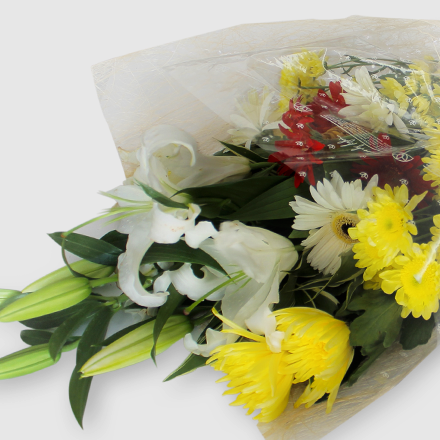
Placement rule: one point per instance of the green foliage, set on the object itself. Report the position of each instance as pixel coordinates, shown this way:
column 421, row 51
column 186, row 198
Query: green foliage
column 371, row 353
column 380, row 322
column 89, row 248
column 180, row 252
column 239, row 193
column 244, row 152
column 164, row 313
column 160, row 198
column 416, row 331
column 89, row 344
column 271, row 204
column 191, row 363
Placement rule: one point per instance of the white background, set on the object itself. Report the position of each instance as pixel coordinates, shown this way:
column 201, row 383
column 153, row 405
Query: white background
column 57, row 153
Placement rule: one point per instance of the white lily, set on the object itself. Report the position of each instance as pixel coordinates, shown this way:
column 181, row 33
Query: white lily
column 257, row 260
column 367, row 106
column 169, row 161
column 256, row 114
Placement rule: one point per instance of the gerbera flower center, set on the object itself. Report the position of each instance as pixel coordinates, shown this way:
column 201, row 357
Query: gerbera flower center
column 419, row 280
column 341, row 223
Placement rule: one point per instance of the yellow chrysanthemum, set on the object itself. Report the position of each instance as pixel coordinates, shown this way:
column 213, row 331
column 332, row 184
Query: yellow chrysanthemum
column 299, row 71
column 315, row 346
column 433, row 132
column 395, row 91
column 375, row 282
column 416, row 278
column 432, row 168
column 385, row 229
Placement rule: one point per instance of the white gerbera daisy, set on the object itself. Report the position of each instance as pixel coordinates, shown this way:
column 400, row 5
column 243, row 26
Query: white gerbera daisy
column 329, row 218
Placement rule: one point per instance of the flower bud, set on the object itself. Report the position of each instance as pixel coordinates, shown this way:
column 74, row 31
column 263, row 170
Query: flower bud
column 84, row 267
column 136, row 346
column 49, row 299
column 6, row 296
column 26, row 361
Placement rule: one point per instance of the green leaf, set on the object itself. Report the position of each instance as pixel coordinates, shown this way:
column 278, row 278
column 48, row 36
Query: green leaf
column 299, row 234
column 416, row 331
column 116, row 239
column 243, row 152
column 348, row 270
column 373, row 353
column 272, row 204
column 53, row 319
column 239, row 192
column 35, row 337
column 180, row 252
column 381, row 321
column 160, row 198
column 62, row 333
column 173, row 301
column 89, row 248
column 287, row 294
column 191, row 363
column 89, row 344
column 357, row 282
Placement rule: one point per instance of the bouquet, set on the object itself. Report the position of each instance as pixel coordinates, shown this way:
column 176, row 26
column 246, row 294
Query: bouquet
column 297, row 255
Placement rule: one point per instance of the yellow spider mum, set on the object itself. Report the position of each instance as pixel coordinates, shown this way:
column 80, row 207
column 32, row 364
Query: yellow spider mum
column 416, row 278
column 299, row 70
column 433, row 131
column 315, row 348
column 385, row 229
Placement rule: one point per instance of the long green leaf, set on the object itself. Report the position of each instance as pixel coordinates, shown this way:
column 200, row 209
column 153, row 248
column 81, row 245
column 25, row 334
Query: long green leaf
column 179, row 252
column 116, row 239
column 54, row 319
column 191, row 363
column 272, row 204
column 173, row 301
column 239, row 193
column 62, row 333
column 89, row 248
column 88, row 346
column 160, row 198
column 243, row 152
column 35, row 337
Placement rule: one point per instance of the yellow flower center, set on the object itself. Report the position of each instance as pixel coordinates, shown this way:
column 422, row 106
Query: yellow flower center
column 420, row 280
column 341, row 224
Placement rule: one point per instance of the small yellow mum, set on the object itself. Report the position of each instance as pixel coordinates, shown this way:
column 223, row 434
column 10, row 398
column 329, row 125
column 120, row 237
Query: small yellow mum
column 416, row 278
column 300, row 70
column 432, row 168
column 395, row 91
column 385, row 229
column 315, row 346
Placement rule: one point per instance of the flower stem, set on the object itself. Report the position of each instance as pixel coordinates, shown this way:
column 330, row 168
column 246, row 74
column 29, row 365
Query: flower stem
column 103, row 281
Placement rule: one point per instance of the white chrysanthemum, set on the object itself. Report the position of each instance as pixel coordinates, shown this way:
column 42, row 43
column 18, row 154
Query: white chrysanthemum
column 256, row 114
column 367, row 107
column 329, row 218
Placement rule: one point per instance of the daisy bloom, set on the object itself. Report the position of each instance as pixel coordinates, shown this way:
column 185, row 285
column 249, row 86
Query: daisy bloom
column 367, row 107
column 314, row 345
column 415, row 278
column 329, row 218
column 385, row 229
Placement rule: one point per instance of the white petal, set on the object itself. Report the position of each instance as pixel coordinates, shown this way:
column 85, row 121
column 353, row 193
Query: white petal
column 169, row 224
column 128, row 268
column 200, row 233
column 186, row 283
column 213, row 340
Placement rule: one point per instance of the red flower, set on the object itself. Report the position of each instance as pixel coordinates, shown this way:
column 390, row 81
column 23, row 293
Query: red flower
column 395, row 173
column 323, row 105
column 295, row 153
